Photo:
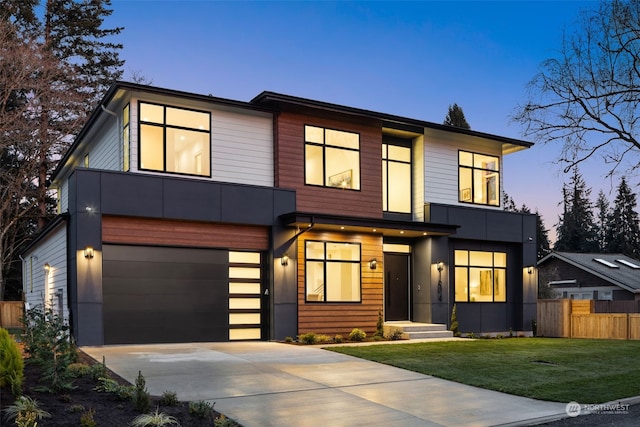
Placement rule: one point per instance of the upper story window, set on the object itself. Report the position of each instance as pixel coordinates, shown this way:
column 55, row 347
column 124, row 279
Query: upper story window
column 396, row 178
column 332, row 158
column 125, row 138
column 480, row 276
column 479, row 178
column 332, row 271
column 175, row 140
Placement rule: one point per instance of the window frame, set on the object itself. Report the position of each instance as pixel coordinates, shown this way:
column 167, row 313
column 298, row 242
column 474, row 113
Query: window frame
column 385, row 168
column 473, row 169
column 324, row 271
column 126, row 138
column 324, row 146
column 164, row 126
column 469, row 266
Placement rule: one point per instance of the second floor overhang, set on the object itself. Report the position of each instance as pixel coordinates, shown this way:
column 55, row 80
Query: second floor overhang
column 350, row 224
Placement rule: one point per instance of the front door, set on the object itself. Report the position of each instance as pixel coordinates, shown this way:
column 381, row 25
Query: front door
column 396, row 284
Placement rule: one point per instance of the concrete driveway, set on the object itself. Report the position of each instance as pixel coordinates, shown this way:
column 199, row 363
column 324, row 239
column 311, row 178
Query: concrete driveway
column 272, row 384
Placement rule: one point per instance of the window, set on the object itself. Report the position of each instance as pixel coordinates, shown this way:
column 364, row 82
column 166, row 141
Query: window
column 125, row 138
column 480, row 276
column 332, row 272
column 332, row 158
column 396, row 178
column 175, row 140
column 478, row 178
column 85, row 161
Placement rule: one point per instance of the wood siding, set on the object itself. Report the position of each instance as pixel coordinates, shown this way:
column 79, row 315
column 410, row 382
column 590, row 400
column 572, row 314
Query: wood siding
column 241, row 142
column 290, row 166
column 441, row 164
column 341, row 318
column 53, row 251
column 146, row 231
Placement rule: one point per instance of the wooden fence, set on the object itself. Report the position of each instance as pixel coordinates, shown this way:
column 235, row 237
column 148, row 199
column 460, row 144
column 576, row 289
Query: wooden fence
column 10, row 314
column 577, row 319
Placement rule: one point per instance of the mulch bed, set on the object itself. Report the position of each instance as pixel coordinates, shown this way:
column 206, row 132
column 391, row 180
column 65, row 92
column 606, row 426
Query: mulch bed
column 66, row 409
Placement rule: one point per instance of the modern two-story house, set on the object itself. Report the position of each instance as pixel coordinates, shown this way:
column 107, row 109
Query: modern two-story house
column 185, row 217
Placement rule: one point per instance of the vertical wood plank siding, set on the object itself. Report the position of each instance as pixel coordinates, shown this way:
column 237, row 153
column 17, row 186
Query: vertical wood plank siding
column 146, row 231
column 290, row 168
column 341, row 318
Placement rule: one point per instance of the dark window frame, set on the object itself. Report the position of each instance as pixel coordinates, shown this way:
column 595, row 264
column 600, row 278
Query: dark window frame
column 164, row 127
column 126, row 138
column 324, row 156
column 324, row 271
column 493, row 268
column 472, row 168
column 385, row 163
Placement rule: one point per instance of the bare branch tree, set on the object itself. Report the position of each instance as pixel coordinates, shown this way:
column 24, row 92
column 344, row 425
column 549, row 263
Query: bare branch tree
column 588, row 98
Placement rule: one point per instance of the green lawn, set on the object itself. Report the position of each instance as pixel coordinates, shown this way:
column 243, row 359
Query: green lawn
column 556, row 369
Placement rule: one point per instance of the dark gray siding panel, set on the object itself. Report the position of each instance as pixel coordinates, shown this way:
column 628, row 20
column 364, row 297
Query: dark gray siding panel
column 504, row 226
column 191, row 200
column 131, row 195
column 164, row 295
column 247, row 205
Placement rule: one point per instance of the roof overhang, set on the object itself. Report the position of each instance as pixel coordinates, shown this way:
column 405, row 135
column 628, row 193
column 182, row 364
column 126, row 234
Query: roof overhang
column 349, row 224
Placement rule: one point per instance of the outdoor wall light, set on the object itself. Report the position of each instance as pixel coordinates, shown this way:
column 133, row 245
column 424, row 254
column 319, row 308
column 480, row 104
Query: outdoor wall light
column 440, row 266
column 88, row 252
column 284, row 260
column 530, row 269
column 373, row 264
column 47, row 268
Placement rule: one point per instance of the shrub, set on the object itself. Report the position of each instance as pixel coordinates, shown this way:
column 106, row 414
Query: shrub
column 157, row 419
column 288, row 340
column 395, row 334
column 46, row 338
column 308, row 338
column 223, row 421
column 75, row 409
column 25, row 411
column 141, row 397
column 454, row 321
column 201, row 408
column 357, row 335
column 379, row 326
column 338, row 339
column 98, row 370
column 323, row 339
column 534, row 327
column 169, row 398
column 86, row 420
column 108, row 385
column 77, row 370
column 11, row 363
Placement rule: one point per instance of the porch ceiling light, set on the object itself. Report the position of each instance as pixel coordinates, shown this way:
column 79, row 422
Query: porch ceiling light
column 88, row 252
column 373, row 264
column 284, row 260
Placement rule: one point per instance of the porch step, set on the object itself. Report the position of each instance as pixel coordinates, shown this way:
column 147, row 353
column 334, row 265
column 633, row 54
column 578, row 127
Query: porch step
column 413, row 330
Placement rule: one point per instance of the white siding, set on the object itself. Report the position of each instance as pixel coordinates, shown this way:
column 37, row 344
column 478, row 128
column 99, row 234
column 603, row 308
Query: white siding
column 38, row 286
column 241, row 144
column 418, row 178
column 105, row 152
column 441, row 164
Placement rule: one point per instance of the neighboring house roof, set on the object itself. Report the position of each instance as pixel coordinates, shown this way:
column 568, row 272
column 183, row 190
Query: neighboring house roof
column 617, row 269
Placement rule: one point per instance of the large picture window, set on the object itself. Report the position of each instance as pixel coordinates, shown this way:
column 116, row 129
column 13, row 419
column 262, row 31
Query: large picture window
column 175, row 140
column 332, row 158
column 480, row 276
column 332, row 272
column 479, row 178
column 396, row 178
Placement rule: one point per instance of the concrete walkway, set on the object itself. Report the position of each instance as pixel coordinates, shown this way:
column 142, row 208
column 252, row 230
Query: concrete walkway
column 272, row 384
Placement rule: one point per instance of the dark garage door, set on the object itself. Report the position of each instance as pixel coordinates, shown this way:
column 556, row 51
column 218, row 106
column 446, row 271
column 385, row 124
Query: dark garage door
column 164, row 295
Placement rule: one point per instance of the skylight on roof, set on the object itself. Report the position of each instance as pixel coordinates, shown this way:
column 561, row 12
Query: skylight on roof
column 605, row 262
column 628, row 264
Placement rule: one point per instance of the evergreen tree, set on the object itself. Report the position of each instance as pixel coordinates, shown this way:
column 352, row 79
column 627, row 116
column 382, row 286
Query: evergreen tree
column 602, row 221
column 624, row 231
column 542, row 237
column 455, row 117
column 576, row 229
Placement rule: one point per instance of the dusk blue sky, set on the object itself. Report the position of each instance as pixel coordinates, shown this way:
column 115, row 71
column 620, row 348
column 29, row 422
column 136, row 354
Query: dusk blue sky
column 411, row 59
